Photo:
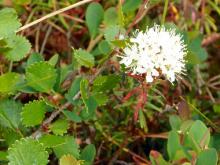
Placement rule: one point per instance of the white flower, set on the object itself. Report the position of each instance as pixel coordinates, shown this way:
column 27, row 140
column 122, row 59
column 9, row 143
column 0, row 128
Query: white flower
column 158, row 51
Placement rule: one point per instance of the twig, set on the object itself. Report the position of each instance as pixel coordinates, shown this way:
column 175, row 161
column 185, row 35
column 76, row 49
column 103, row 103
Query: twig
column 141, row 13
column 45, row 39
column 210, row 39
column 60, row 29
column 92, row 43
column 54, row 13
column 37, row 38
column 73, row 18
column 50, row 119
column 124, row 149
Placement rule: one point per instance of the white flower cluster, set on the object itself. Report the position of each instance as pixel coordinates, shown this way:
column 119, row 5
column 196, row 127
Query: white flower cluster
column 158, row 51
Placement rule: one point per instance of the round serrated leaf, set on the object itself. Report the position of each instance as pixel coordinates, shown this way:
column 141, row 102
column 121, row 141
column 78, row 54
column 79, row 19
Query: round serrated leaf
column 19, row 48
column 84, row 58
column 9, row 20
column 88, row 153
column 33, row 113
column 69, row 147
column 69, row 160
column 10, row 114
column 59, row 127
column 41, row 76
column 8, row 82
column 27, row 152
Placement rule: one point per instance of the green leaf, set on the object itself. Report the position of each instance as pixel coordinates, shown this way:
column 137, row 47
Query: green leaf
column 173, row 144
column 215, row 141
column 10, row 114
column 8, row 82
column 209, row 156
column 74, row 89
column 19, row 48
column 22, row 2
column 142, row 121
column 41, row 76
column 216, row 108
column 27, row 152
column 72, row 116
column 197, row 54
column 9, row 22
column 9, row 135
column 130, row 6
column 104, row 47
column 69, row 147
column 3, row 156
column 175, row 122
column 70, row 160
column 34, row 57
column 121, row 18
column 3, row 45
column 33, row 113
column 94, row 16
column 84, row 83
column 88, row 154
column 198, row 136
column 112, row 32
column 91, row 106
column 111, row 16
column 157, row 159
column 84, row 58
column 59, row 127
column 101, row 98
column 50, row 141
column 53, row 60
column 103, row 83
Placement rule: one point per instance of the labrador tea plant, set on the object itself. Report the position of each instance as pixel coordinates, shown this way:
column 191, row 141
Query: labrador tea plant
column 109, row 82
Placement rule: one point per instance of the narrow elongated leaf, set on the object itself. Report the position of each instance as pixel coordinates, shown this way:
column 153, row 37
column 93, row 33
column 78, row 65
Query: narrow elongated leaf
column 72, row 116
column 74, row 89
column 173, row 144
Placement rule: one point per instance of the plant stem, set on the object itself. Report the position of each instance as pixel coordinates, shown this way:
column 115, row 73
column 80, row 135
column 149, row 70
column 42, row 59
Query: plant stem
column 164, row 12
column 10, row 66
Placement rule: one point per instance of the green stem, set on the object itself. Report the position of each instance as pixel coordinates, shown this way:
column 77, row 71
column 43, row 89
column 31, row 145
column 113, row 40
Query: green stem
column 164, row 12
column 10, row 66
